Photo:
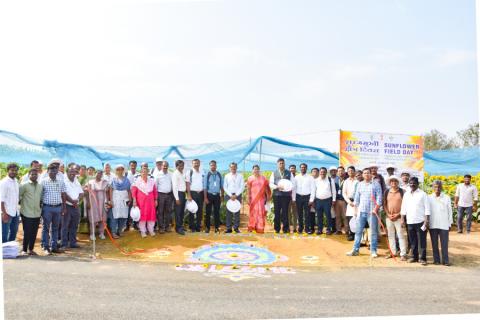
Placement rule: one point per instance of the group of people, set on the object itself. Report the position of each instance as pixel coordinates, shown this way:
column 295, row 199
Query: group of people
column 303, row 202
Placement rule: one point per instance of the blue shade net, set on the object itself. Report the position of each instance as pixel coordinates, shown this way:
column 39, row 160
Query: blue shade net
column 263, row 151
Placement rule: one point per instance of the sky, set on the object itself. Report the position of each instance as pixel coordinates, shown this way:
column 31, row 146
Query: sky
column 164, row 72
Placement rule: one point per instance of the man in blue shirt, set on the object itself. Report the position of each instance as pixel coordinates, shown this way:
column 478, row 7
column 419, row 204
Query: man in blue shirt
column 368, row 199
column 213, row 186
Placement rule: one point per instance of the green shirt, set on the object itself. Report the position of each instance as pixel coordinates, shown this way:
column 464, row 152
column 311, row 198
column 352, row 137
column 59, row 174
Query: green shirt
column 30, row 198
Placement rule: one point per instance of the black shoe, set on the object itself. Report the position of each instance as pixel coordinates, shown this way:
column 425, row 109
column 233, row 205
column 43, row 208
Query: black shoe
column 319, row 233
column 197, row 229
column 237, row 231
column 207, row 230
column 228, row 231
column 181, row 232
column 295, row 231
column 58, row 250
column 328, row 232
column 310, row 232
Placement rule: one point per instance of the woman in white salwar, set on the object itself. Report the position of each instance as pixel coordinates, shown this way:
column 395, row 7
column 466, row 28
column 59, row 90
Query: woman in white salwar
column 121, row 198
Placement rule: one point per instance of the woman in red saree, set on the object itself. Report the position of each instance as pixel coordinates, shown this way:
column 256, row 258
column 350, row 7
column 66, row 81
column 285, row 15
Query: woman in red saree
column 258, row 192
column 144, row 193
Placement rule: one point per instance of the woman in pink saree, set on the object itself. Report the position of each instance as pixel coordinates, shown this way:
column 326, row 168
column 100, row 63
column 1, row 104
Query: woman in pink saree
column 258, row 192
column 144, row 194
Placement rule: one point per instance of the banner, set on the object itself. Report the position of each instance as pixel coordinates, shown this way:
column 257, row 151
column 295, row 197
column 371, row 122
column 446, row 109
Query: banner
column 362, row 149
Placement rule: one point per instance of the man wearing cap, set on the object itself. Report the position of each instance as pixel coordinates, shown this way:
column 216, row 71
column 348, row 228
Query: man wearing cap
column 281, row 198
column 195, row 192
column 53, row 162
column 233, row 186
column 163, row 180
column 54, row 207
column 392, row 205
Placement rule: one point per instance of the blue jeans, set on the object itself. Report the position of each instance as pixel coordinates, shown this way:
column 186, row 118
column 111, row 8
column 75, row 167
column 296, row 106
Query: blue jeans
column 461, row 212
column 321, row 207
column 51, row 222
column 116, row 225
column 362, row 219
column 9, row 229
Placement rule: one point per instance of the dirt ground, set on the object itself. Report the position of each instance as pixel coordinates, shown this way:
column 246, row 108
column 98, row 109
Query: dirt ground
column 300, row 251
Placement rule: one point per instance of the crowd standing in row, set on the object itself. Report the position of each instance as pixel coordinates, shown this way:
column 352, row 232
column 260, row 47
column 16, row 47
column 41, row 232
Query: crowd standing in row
column 335, row 196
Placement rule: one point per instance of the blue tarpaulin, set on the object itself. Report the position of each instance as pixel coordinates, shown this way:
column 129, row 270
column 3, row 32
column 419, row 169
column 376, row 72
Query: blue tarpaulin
column 263, row 151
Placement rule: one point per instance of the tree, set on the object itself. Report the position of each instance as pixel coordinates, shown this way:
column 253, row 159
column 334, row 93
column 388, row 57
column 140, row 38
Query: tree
column 436, row 140
column 469, row 136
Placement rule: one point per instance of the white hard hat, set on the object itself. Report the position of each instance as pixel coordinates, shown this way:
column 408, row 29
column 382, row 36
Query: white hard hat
column 191, row 206
column 135, row 214
column 286, row 185
column 234, row 205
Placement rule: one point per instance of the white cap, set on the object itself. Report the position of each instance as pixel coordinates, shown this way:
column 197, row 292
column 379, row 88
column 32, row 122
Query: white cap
column 392, row 178
column 118, row 166
column 390, row 166
column 158, row 159
column 373, row 165
column 332, row 168
column 55, row 161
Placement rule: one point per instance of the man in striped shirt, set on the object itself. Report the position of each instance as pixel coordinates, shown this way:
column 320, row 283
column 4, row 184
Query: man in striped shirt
column 368, row 199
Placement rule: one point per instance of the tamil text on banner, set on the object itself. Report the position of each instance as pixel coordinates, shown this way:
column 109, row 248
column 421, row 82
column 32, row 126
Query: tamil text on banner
column 362, row 149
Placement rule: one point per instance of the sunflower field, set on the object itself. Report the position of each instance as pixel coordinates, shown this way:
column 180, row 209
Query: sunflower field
column 449, row 187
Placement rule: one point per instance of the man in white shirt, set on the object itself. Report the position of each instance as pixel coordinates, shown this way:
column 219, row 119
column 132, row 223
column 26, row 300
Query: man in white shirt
column 163, row 179
column 348, row 192
column 233, row 186
column 325, row 197
column 281, row 198
column 35, row 164
column 404, row 184
column 441, row 218
column 195, row 180
column 416, row 208
column 71, row 218
column 466, row 197
column 315, row 173
column 132, row 172
column 9, row 198
column 179, row 187
column 107, row 173
column 158, row 167
column 304, row 198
